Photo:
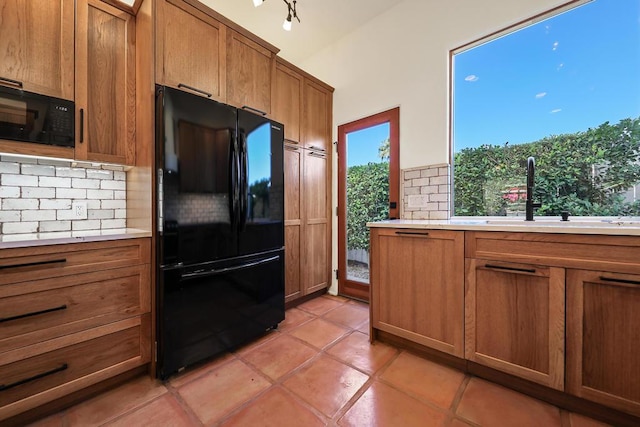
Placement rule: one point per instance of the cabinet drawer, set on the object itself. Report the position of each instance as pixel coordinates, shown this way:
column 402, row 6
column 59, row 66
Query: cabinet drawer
column 614, row 253
column 42, row 262
column 53, row 369
column 39, row 310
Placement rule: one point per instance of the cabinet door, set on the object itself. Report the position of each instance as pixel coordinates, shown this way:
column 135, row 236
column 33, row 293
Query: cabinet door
column 249, row 70
column 515, row 319
column 316, row 121
column 316, row 221
column 286, row 101
column 190, row 50
column 36, row 46
column 105, row 84
column 603, row 338
column 293, row 234
column 417, row 284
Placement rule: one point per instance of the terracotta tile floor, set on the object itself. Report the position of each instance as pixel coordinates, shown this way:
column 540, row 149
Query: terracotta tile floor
column 317, row 369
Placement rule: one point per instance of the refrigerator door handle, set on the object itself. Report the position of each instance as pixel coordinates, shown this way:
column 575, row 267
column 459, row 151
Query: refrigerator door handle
column 244, row 186
column 215, row 272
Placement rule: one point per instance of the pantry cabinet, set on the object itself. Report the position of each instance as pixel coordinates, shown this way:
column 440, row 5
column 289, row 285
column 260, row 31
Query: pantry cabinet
column 515, row 319
column 191, row 49
column 307, row 179
column 37, row 46
column 72, row 316
column 249, row 70
column 306, row 222
column 417, row 286
column 105, row 84
column 603, row 338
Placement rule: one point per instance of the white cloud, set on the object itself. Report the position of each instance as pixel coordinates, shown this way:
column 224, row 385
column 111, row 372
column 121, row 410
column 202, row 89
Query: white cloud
column 472, row 78
column 541, row 95
column 560, row 67
column 557, row 110
column 555, row 45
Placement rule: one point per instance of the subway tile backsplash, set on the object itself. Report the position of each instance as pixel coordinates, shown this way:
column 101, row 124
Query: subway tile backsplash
column 37, row 196
column 426, row 192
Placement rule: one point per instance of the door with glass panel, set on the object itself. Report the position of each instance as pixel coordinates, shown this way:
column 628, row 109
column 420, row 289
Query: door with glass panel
column 368, row 187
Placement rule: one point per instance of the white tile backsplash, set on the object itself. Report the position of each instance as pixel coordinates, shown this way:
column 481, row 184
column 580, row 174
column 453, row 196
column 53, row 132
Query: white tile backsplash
column 36, row 196
column 425, row 192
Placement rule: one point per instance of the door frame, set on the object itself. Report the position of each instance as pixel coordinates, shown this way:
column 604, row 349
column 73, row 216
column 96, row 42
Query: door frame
column 347, row 287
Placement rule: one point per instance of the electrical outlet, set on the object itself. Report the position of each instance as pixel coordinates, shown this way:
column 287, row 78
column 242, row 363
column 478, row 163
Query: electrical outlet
column 79, row 210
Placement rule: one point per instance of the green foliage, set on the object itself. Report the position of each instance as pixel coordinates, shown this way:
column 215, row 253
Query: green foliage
column 585, row 173
column 367, row 200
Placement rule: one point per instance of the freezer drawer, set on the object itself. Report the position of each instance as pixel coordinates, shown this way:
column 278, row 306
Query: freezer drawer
column 210, row 308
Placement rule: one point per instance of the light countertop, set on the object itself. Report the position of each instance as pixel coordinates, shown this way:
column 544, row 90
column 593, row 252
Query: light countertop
column 607, row 226
column 63, row 237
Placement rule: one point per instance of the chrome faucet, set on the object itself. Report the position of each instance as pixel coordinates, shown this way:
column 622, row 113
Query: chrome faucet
column 531, row 171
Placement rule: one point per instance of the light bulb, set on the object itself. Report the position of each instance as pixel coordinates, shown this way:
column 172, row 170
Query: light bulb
column 287, row 24
column 257, row 3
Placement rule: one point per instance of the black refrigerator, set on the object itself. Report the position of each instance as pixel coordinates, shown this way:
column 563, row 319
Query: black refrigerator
column 220, row 217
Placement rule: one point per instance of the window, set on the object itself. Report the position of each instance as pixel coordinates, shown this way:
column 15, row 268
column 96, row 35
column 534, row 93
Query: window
column 563, row 89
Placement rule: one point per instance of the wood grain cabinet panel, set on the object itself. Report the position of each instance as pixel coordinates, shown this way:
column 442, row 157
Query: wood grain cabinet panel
column 316, row 119
column 286, row 102
column 515, row 319
column 190, row 50
column 249, row 71
column 293, row 225
column 105, row 84
column 417, row 284
column 316, row 260
column 37, row 46
column 603, row 338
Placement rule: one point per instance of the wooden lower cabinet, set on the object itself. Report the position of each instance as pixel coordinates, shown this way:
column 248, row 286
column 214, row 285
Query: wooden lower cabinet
column 73, row 316
column 417, row 285
column 514, row 319
column 603, row 338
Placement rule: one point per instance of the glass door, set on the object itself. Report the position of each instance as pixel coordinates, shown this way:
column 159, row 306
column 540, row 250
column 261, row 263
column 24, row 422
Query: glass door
column 368, row 185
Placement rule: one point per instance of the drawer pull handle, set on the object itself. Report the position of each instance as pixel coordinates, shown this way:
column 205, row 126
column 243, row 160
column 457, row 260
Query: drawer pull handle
column 412, row 233
column 35, row 313
column 182, row 85
column 32, row 264
column 16, row 83
column 514, row 269
column 4, row 387
column 255, row 110
column 320, row 155
column 624, row 281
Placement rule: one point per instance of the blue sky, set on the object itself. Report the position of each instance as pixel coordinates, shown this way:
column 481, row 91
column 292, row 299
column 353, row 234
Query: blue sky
column 362, row 145
column 562, row 75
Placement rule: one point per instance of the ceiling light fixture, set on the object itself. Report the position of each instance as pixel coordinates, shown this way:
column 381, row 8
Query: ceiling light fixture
column 291, row 12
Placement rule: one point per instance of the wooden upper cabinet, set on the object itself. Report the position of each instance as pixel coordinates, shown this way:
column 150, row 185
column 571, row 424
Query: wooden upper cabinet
column 37, row 46
column 417, row 286
column 105, row 84
column 514, row 319
column 603, row 338
column 190, row 50
column 249, row 71
column 286, row 102
column 316, row 120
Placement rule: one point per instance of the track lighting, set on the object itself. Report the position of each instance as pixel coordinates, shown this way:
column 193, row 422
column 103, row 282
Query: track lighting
column 291, row 12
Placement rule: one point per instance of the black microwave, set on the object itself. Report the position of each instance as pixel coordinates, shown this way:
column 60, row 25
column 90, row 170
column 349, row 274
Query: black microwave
column 31, row 117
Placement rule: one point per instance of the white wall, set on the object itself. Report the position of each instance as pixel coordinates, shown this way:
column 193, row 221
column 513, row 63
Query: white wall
column 401, row 58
